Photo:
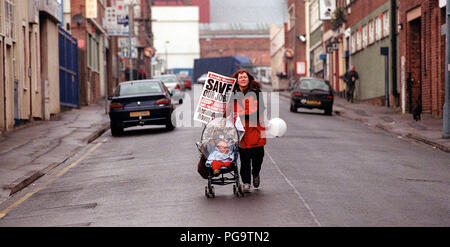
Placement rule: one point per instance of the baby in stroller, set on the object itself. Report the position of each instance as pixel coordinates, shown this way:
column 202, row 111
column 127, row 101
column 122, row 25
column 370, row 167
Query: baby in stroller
column 219, row 147
column 222, row 157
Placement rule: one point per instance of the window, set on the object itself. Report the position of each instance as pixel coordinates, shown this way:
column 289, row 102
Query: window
column 314, row 16
column 9, row 18
column 371, row 32
column 386, row 24
column 313, row 84
column 378, row 28
column 93, row 53
column 138, row 88
column 364, row 36
column 358, row 40
column 318, row 63
column 353, row 43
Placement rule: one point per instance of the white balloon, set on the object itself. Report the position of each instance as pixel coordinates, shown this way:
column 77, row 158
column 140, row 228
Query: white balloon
column 276, row 127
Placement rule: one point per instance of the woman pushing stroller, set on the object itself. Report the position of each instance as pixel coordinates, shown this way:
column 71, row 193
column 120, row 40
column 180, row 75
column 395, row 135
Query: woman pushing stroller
column 221, row 143
column 247, row 105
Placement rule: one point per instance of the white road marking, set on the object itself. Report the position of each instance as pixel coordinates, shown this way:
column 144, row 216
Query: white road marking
column 295, row 190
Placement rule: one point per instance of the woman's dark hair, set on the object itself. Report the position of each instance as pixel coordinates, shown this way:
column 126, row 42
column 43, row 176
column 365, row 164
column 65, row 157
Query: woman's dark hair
column 252, row 83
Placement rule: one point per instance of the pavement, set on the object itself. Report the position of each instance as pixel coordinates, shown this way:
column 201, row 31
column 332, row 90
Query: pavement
column 32, row 150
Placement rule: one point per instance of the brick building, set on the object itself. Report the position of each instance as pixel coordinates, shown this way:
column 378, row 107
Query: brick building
column 93, row 43
column 422, row 53
column 369, row 28
column 294, row 28
column 226, row 39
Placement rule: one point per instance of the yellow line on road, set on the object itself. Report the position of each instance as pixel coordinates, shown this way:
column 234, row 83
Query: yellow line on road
column 62, row 172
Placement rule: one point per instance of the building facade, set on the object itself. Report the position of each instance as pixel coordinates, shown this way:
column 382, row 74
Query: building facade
column 239, row 39
column 295, row 40
column 30, row 63
column 396, row 46
column 176, row 37
column 422, row 54
column 370, row 30
column 93, row 42
column 277, row 58
column 353, row 34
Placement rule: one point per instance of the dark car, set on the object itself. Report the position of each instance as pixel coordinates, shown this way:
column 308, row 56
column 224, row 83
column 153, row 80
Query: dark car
column 144, row 102
column 187, row 81
column 312, row 93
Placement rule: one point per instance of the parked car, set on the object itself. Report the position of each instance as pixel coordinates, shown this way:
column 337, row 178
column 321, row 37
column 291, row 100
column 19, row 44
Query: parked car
column 187, row 81
column 202, row 78
column 312, row 93
column 144, row 102
column 175, row 86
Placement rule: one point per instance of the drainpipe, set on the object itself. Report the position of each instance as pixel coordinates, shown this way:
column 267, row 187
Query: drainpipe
column 394, row 48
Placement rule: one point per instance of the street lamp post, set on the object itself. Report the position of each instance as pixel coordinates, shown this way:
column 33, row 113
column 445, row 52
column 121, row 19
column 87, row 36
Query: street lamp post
column 130, row 36
column 167, row 58
column 294, row 59
column 446, row 117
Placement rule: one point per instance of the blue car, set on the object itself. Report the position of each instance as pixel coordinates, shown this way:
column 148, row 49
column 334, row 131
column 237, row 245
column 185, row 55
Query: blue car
column 139, row 103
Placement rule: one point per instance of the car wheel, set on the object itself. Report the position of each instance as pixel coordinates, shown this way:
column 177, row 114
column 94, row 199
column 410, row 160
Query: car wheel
column 329, row 111
column 116, row 130
column 169, row 125
column 293, row 108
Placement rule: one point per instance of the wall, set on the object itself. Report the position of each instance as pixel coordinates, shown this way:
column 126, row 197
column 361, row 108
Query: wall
column 19, row 61
column 178, row 25
column 257, row 49
column 277, row 52
column 428, row 71
column 368, row 62
column 50, row 62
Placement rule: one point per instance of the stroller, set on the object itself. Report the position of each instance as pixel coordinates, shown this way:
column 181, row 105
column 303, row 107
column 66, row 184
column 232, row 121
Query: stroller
column 221, row 130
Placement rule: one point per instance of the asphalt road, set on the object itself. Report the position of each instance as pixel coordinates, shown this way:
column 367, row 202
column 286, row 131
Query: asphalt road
column 326, row 171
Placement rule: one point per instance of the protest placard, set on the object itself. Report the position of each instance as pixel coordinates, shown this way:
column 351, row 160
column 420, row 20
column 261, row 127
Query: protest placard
column 214, row 98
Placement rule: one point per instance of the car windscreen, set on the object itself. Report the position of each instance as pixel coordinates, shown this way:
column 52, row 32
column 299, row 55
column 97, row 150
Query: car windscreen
column 136, row 88
column 313, row 84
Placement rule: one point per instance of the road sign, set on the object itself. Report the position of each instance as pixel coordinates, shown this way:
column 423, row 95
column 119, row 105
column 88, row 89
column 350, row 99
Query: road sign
column 125, row 42
column 149, row 52
column 125, row 52
column 289, row 53
column 116, row 19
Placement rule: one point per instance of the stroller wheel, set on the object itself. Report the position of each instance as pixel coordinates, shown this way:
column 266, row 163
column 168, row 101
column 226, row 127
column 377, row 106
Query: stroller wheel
column 234, row 189
column 206, row 192
column 213, row 192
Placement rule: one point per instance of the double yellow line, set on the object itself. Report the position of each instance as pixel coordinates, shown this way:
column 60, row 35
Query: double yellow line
column 59, row 174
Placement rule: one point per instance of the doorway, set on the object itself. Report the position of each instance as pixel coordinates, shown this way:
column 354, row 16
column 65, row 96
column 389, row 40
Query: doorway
column 414, row 47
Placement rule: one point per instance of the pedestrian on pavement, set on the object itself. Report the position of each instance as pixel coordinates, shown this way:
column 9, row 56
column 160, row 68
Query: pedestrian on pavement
column 249, row 107
column 350, row 78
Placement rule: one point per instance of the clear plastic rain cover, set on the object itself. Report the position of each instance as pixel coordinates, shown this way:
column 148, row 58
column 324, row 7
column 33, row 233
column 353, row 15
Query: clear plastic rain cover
column 218, row 129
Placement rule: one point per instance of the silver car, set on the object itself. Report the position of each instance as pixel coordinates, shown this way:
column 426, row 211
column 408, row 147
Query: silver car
column 202, row 78
column 174, row 85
